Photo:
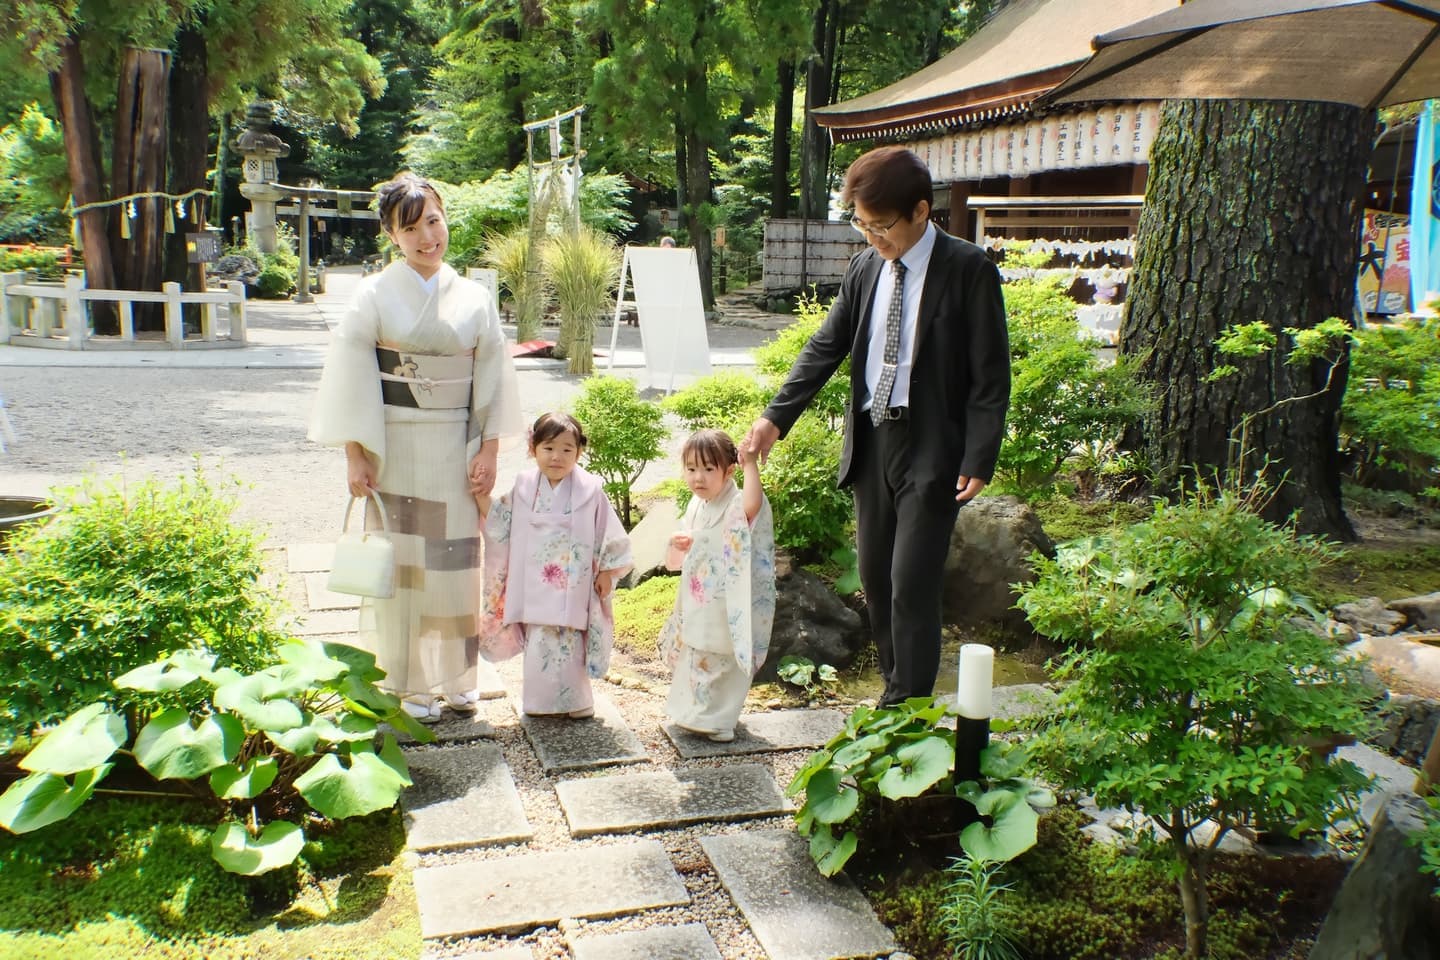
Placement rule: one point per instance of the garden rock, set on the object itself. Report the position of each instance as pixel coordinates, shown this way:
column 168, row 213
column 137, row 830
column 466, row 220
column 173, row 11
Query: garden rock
column 811, row 622
column 233, row 266
column 1413, row 664
column 1407, row 726
column 989, row 550
column 1382, row 909
column 1422, row 612
column 1370, row 616
column 649, row 540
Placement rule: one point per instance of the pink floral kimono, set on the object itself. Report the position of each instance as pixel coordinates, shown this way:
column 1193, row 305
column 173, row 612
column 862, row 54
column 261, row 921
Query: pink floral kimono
column 719, row 632
column 543, row 548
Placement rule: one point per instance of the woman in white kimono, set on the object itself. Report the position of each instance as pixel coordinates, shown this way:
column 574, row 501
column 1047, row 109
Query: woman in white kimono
column 719, row 632
column 419, row 388
column 554, row 549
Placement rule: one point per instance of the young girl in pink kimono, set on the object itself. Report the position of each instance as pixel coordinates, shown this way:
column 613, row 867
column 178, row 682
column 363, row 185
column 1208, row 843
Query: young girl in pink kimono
column 718, row 634
column 554, row 549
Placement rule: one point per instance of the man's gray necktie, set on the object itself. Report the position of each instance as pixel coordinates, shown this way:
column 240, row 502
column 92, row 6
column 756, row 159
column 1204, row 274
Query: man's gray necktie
column 880, row 400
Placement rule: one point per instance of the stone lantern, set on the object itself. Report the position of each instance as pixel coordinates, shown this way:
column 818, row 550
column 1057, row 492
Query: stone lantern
column 260, row 149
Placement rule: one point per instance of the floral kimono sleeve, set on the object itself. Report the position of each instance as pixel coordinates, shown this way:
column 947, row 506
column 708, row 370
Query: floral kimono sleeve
column 497, row 640
column 612, row 552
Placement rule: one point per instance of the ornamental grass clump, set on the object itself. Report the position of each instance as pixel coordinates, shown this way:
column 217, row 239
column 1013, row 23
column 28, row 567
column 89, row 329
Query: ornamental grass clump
column 127, row 573
column 509, row 255
column 583, row 267
column 1195, row 694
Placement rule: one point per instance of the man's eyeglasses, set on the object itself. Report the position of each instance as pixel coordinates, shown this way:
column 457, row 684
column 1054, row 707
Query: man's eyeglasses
column 875, row 230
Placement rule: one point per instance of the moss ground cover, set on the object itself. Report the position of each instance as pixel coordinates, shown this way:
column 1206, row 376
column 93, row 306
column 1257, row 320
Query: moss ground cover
column 127, row 877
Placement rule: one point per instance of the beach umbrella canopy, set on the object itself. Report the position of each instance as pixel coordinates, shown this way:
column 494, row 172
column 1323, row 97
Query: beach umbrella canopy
column 1367, row 53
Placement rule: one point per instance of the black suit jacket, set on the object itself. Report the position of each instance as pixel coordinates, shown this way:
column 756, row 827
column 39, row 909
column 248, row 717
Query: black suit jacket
column 960, row 378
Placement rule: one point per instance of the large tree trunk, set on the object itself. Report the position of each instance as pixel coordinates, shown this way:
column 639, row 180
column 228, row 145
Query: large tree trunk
column 189, row 151
column 139, row 167
column 696, row 177
column 82, row 152
column 780, row 141
column 815, row 145
column 1251, row 214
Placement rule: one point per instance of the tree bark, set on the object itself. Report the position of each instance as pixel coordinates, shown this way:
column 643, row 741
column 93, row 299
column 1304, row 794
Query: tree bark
column 780, row 141
column 1196, row 900
column 1251, row 213
column 138, row 166
column 86, row 177
column 696, row 199
column 819, row 77
column 189, row 151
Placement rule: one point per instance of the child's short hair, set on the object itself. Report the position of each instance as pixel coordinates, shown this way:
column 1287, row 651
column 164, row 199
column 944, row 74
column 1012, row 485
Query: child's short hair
column 710, row 448
column 400, row 202
column 550, row 425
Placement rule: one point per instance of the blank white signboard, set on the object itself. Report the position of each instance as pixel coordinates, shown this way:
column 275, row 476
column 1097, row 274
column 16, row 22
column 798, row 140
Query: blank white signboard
column 666, row 283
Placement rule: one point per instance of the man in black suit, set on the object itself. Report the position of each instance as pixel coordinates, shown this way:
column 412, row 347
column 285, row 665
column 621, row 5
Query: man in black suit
column 921, row 316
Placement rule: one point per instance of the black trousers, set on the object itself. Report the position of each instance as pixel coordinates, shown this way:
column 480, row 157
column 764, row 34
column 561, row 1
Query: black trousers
column 903, row 535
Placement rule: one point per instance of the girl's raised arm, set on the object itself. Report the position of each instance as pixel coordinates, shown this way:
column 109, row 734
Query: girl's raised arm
column 752, row 494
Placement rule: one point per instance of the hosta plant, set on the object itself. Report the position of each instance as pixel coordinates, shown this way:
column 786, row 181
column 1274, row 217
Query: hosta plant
column 885, row 756
column 263, row 747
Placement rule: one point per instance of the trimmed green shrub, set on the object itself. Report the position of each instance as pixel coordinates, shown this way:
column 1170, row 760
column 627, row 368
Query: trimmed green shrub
column 1062, row 398
column 774, row 359
column 127, row 573
column 1390, row 420
column 44, row 264
column 625, row 434
column 813, row 516
column 274, row 282
column 729, row 401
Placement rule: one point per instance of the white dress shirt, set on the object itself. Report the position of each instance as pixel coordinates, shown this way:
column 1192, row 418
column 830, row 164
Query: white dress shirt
column 917, row 261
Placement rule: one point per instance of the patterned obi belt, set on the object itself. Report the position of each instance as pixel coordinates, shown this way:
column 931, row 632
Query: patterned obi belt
column 425, row 381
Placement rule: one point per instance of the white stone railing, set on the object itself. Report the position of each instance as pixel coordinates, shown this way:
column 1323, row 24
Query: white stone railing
column 55, row 314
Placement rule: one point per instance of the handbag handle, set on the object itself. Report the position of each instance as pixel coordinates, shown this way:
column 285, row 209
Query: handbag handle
column 380, row 505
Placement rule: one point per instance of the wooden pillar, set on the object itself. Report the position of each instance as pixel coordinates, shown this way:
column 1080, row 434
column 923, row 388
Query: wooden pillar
column 959, row 225
column 141, row 142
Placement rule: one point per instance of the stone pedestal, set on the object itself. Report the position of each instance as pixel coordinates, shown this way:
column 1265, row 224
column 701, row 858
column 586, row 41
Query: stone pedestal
column 261, row 149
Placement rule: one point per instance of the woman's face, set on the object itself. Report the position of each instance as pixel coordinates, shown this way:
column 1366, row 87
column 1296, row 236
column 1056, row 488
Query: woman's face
column 424, row 242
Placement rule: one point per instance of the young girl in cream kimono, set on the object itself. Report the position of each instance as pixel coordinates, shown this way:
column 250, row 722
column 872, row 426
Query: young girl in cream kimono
column 419, row 389
column 718, row 634
column 554, row 549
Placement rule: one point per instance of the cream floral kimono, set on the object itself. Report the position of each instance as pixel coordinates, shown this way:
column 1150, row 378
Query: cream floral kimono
column 420, row 375
column 719, row 632
column 544, row 547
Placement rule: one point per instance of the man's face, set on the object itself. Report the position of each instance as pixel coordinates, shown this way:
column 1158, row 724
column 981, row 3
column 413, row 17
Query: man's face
column 898, row 236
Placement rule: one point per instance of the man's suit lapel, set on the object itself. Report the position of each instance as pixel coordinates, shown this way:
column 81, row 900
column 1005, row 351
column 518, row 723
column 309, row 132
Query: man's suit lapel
column 860, row 347
column 937, row 274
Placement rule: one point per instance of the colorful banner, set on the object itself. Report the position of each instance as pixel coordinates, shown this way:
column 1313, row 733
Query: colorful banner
column 1424, row 259
column 1384, row 265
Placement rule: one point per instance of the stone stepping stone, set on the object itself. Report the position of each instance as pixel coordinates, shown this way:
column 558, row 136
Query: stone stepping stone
column 604, row 740
column 1391, row 776
column 520, row 893
column 644, row 801
column 518, row 952
column 325, row 623
column 794, row 912
column 309, row 557
column 462, row 797
column 689, row 942
column 320, row 597
column 763, row 733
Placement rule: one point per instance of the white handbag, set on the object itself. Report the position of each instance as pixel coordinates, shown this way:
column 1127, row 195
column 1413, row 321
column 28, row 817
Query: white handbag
column 365, row 559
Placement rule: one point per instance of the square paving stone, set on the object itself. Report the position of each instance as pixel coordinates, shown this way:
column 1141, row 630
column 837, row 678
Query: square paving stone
column 309, row 557
column 320, row 597
column 763, row 733
column 640, row 801
column 600, row 741
column 325, row 623
column 689, row 942
column 462, row 797
column 794, row 912
column 520, row 893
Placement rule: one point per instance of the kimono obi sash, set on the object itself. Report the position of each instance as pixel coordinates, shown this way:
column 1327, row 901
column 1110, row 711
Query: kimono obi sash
column 424, row 381
column 552, row 555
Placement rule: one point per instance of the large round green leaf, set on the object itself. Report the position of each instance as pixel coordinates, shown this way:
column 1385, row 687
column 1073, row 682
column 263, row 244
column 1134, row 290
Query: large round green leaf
column 235, row 783
column 1012, row 828
column 829, row 798
column 300, row 741
column 43, row 798
column 170, row 748
column 310, row 657
column 918, row 767
column 352, row 728
column 277, row 846
column 161, row 677
column 368, row 783
column 360, row 662
column 858, row 751
column 82, row 741
column 830, row 854
column 262, row 701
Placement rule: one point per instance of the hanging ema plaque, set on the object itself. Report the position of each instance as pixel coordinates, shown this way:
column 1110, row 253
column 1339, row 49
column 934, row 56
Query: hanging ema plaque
column 202, row 247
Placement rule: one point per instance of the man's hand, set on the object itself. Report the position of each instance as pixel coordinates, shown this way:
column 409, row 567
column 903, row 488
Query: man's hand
column 967, row 488
column 762, row 436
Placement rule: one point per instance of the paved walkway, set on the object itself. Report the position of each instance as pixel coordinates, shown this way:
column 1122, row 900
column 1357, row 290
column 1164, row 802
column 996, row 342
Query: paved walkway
column 613, row 837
